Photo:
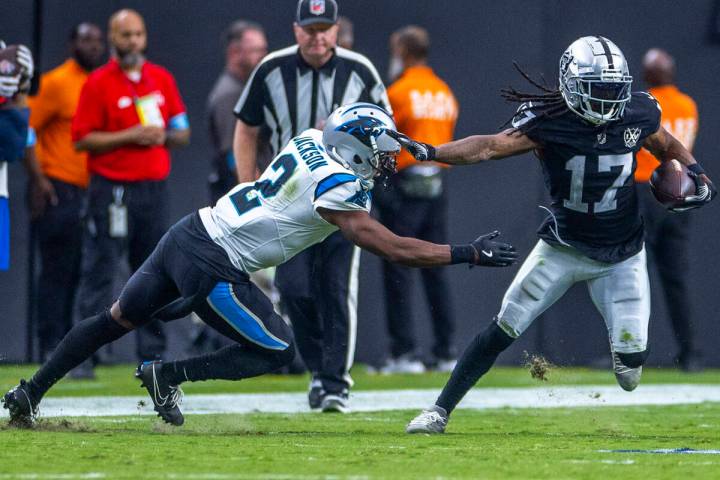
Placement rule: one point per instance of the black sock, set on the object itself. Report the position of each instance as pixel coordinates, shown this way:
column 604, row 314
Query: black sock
column 84, row 339
column 233, row 362
column 477, row 359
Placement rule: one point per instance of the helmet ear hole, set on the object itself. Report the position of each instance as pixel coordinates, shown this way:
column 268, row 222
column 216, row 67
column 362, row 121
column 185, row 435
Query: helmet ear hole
column 357, row 159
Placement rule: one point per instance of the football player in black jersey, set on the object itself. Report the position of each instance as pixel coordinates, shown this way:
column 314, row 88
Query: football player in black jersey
column 586, row 134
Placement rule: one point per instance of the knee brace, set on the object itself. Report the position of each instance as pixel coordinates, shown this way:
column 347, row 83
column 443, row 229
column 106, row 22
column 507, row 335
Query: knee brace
column 633, row 360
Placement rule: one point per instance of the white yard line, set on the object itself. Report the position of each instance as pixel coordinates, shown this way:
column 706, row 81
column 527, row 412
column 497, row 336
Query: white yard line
column 372, row 401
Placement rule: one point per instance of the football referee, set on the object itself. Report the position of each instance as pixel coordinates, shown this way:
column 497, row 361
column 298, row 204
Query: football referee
column 291, row 90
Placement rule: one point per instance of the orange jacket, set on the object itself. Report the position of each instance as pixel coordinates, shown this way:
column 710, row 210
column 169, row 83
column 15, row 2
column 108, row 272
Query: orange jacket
column 51, row 114
column 424, row 107
column 679, row 117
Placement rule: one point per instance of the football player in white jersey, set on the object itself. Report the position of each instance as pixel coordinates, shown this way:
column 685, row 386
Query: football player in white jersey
column 318, row 184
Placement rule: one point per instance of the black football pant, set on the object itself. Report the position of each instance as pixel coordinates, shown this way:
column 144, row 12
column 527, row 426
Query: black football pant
column 667, row 245
column 318, row 291
column 425, row 219
column 147, row 212
column 170, row 285
column 59, row 232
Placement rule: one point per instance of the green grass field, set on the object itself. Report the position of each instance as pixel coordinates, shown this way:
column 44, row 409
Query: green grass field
column 555, row 443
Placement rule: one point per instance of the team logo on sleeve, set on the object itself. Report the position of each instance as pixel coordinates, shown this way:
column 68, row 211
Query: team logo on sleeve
column 317, row 7
column 360, row 199
column 632, row 135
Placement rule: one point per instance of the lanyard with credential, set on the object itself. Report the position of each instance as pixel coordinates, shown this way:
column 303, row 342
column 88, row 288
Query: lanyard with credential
column 118, row 214
column 147, row 107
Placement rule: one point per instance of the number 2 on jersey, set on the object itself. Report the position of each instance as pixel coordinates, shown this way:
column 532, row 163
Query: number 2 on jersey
column 605, row 163
column 246, row 198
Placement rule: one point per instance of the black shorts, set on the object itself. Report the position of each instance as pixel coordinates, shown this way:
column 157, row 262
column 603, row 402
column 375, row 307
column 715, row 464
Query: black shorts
column 173, row 282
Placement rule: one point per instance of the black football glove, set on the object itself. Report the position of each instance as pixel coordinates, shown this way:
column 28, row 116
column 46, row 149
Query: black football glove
column 705, row 191
column 490, row 253
column 422, row 152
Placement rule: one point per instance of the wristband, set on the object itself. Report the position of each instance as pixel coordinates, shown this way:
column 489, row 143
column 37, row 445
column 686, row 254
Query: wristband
column 696, row 169
column 462, row 254
column 431, row 152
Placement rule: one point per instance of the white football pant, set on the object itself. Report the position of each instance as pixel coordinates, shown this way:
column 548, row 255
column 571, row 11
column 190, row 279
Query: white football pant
column 620, row 291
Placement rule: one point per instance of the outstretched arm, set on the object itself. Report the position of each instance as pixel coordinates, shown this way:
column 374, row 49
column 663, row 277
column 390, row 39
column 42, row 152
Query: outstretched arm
column 367, row 233
column 473, row 149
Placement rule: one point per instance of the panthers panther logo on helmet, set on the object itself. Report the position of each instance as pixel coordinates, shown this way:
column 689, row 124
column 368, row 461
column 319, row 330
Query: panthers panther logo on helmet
column 363, row 128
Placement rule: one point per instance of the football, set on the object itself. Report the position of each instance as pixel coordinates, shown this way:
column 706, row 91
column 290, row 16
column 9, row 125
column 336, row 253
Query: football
column 671, row 182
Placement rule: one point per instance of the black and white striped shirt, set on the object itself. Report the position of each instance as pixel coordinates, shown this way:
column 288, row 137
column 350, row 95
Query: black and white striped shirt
column 288, row 96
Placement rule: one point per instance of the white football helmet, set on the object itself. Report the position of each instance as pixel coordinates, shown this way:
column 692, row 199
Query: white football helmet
column 355, row 135
column 595, row 80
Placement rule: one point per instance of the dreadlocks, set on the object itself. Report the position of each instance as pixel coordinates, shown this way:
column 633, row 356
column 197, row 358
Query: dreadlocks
column 548, row 103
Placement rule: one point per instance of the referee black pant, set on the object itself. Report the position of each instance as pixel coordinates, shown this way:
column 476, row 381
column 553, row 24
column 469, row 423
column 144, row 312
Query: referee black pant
column 147, row 220
column 318, row 291
column 59, row 232
column 426, row 219
column 668, row 250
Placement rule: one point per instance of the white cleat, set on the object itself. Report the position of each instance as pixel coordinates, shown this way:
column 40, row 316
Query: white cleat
column 628, row 378
column 335, row 402
column 445, row 366
column 430, row 421
column 402, row 364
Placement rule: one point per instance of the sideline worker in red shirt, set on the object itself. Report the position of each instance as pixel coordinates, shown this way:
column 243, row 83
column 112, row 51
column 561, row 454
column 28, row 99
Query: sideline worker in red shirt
column 129, row 115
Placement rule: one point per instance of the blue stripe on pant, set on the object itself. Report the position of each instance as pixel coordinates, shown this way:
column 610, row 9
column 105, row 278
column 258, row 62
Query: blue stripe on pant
column 223, row 301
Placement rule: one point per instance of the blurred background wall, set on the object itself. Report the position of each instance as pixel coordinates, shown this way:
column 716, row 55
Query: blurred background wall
column 473, row 46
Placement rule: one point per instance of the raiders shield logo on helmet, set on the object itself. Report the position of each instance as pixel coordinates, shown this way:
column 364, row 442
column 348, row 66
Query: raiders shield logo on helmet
column 632, row 135
column 317, row 7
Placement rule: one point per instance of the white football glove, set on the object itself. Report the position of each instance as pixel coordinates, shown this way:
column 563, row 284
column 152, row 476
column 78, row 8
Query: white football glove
column 25, row 59
column 9, row 86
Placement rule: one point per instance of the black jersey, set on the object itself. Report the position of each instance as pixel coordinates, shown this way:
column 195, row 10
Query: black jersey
column 589, row 171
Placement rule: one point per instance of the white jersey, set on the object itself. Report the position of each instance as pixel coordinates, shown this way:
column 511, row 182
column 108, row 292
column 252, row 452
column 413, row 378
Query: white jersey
column 267, row 222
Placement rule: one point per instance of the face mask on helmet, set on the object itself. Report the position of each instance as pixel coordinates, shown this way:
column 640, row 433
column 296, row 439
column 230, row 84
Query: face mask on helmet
column 603, row 101
column 355, row 135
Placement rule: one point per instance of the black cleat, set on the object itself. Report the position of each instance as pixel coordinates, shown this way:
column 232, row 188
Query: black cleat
column 165, row 397
column 315, row 394
column 20, row 405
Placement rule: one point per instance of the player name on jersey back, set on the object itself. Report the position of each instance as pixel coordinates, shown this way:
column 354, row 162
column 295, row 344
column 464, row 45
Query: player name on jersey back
column 265, row 223
column 310, row 152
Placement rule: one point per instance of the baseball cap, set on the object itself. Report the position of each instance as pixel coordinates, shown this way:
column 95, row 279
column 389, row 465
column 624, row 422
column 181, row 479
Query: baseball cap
column 310, row 12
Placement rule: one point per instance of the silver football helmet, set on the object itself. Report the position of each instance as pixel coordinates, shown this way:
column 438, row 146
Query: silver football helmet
column 595, row 80
column 355, row 135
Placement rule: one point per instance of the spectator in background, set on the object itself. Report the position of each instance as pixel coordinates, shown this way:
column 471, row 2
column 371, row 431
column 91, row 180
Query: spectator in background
column 415, row 201
column 346, row 33
column 129, row 116
column 245, row 46
column 667, row 233
column 57, row 189
column 290, row 91
column 16, row 71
